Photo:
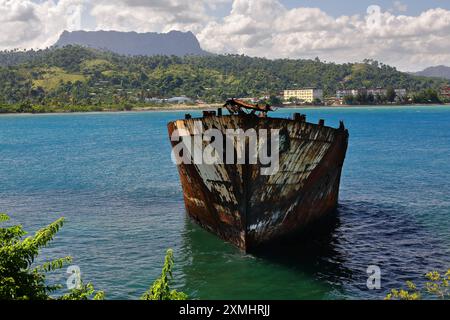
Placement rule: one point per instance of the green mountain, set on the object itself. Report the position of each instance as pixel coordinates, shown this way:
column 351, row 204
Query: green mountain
column 78, row 76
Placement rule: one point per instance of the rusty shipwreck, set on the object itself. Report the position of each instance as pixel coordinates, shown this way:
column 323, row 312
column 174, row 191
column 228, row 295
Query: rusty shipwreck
column 237, row 203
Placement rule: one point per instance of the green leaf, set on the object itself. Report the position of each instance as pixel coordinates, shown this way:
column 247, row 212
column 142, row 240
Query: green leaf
column 54, row 265
column 4, row 217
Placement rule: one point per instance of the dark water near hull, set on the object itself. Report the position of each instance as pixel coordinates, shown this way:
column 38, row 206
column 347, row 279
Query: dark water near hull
column 111, row 176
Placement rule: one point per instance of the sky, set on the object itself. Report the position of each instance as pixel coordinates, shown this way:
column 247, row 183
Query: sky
column 408, row 34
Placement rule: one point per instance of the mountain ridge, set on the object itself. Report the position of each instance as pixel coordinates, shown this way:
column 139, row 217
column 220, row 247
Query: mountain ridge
column 440, row 71
column 174, row 43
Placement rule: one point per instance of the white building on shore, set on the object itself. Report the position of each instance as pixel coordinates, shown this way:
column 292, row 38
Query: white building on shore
column 307, row 95
column 341, row 93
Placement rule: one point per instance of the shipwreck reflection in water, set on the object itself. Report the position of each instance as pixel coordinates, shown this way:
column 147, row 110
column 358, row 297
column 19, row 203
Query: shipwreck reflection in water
column 327, row 263
column 314, row 251
column 310, row 269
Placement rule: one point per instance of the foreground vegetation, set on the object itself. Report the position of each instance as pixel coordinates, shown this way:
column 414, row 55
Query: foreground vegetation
column 21, row 279
column 437, row 286
column 80, row 79
column 160, row 290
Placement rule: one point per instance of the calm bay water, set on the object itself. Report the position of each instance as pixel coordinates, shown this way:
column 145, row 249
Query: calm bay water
column 111, row 176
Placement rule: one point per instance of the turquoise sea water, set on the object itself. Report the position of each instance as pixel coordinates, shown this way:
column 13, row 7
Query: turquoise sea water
column 111, row 176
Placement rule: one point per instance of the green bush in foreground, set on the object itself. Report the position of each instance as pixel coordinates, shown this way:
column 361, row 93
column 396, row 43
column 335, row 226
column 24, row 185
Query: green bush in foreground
column 160, row 289
column 20, row 280
column 437, row 286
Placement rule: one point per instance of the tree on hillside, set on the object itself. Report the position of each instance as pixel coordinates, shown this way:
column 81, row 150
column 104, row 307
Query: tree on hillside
column 275, row 101
column 427, row 96
column 390, row 94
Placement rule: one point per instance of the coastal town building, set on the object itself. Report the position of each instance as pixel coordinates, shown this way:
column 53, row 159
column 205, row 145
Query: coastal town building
column 174, row 100
column 375, row 91
column 180, row 100
column 341, row 93
column 401, row 93
column 445, row 91
column 249, row 99
column 307, row 95
column 153, row 100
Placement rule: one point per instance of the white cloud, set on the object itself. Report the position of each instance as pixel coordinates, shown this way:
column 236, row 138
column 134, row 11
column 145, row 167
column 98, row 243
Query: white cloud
column 155, row 15
column 254, row 27
column 409, row 42
column 400, row 7
column 26, row 24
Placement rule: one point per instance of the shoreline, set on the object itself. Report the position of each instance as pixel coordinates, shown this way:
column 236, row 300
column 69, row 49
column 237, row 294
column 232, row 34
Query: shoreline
column 365, row 106
column 206, row 107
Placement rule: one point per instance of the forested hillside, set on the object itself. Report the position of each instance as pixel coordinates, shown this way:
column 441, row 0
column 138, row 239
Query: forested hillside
column 73, row 75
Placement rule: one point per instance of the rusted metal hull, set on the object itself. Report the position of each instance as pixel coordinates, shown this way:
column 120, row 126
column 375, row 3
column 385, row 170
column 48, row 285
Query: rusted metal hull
column 248, row 209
